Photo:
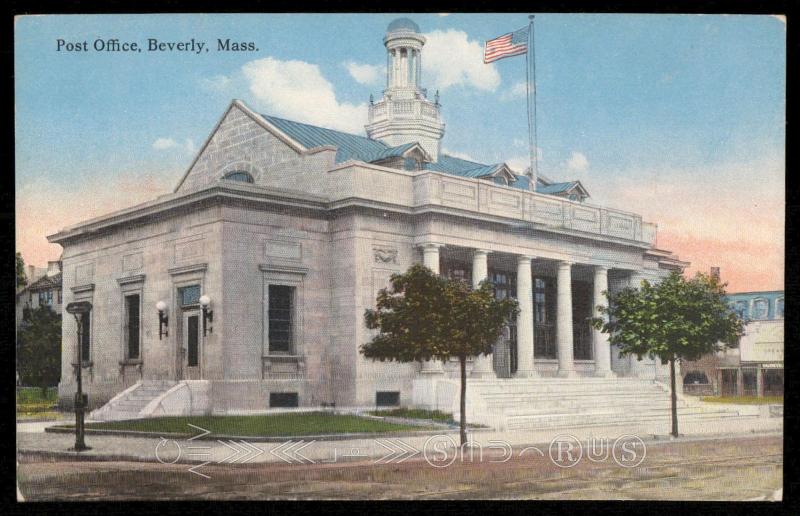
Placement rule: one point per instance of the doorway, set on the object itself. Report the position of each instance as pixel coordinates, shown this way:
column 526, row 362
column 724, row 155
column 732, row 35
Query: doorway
column 191, row 348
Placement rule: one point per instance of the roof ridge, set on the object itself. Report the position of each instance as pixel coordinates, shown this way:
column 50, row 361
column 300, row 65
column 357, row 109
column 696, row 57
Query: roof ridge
column 268, row 117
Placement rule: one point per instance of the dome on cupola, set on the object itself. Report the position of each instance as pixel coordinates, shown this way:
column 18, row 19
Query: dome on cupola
column 403, row 25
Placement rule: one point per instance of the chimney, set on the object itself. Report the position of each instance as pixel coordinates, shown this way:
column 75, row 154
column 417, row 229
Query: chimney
column 715, row 272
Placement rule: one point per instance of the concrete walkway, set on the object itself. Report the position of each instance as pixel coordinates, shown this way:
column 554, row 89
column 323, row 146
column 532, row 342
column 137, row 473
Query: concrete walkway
column 32, row 440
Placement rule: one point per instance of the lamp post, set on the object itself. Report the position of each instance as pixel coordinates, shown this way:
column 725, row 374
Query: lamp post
column 77, row 309
column 208, row 314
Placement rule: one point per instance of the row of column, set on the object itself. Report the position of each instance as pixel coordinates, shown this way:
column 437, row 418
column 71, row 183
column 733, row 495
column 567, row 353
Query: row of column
column 525, row 335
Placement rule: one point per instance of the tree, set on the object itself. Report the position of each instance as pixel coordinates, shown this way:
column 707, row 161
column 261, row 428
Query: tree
column 676, row 319
column 22, row 279
column 39, row 348
column 424, row 316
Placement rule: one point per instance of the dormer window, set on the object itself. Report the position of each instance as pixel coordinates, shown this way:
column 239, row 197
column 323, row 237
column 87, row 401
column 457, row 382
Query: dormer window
column 239, row 175
column 500, row 180
column 760, row 308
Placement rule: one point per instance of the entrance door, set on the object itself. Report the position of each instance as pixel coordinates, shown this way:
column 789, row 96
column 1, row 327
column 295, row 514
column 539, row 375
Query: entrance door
column 192, row 345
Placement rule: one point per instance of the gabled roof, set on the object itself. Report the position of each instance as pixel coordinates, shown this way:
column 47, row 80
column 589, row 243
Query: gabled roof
column 46, row 282
column 557, row 188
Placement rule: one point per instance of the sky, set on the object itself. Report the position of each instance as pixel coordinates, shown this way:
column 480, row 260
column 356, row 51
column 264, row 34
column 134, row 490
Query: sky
column 680, row 118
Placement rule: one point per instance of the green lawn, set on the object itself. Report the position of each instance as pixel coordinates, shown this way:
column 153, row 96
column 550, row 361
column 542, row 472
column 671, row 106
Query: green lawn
column 33, row 404
column 743, row 400
column 307, row 423
column 410, row 413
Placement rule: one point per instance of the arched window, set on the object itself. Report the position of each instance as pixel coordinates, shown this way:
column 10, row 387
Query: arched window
column 760, row 308
column 779, row 308
column 239, row 175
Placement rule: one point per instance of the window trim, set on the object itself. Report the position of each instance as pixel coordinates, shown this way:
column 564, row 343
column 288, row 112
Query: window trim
column 753, row 309
column 250, row 179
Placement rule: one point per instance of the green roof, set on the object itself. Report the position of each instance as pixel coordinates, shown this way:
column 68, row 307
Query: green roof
column 361, row 148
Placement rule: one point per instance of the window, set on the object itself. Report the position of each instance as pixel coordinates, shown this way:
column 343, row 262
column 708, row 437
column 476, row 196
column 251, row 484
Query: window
column 695, row 377
column 86, row 332
column 283, row 400
column 500, row 180
column 42, row 299
column 49, row 297
column 59, row 296
column 387, row 398
column 281, row 301
column 779, row 308
column 132, row 336
column 239, row 175
column 760, row 309
column 741, row 309
column 190, row 295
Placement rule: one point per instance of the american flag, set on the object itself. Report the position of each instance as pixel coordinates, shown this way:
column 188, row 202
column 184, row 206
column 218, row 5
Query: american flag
column 507, row 45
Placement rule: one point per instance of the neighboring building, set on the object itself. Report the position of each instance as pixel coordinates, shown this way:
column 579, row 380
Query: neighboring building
column 290, row 230
column 755, row 367
column 43, row 288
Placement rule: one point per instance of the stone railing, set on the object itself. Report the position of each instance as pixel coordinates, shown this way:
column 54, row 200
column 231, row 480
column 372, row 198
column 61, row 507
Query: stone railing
column 403, row 109
column 425, row 189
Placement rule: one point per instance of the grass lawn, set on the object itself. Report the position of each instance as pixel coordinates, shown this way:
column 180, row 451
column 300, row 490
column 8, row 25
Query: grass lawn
column 305, row 423
column 744, row 400
column 412, row 413
column 33, row 404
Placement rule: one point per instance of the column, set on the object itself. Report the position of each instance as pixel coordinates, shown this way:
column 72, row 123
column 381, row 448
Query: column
column 566, row 367
column 601, row 347
column 759, row 382
column 525, row 368
column 483, row 366
column 739, row 382
column 430, row 258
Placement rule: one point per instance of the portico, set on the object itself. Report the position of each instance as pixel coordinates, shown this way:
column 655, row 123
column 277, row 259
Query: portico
column 552, row 336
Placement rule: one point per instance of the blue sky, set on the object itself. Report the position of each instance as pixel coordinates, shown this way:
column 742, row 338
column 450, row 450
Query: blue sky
column 622, row 100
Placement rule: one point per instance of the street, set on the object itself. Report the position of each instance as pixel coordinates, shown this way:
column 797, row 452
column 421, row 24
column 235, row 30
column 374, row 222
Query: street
column 736, row 468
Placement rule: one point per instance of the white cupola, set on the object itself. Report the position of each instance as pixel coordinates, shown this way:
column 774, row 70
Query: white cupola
column 404, row 114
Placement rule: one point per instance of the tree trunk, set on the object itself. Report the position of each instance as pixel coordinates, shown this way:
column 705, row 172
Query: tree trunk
column 674, row 397
column 463, row 423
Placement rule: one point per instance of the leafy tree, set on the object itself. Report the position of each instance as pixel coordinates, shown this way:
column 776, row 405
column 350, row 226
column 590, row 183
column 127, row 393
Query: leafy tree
column 22, row 280
column 674, row 320
column 39, row 348
column 424, row 316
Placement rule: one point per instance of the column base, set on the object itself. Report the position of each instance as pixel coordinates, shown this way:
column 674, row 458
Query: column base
column 526, row 374
column 605, row 374
column 570, row 373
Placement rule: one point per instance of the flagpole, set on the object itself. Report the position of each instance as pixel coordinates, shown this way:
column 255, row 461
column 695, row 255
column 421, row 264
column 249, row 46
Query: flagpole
column 531, row 88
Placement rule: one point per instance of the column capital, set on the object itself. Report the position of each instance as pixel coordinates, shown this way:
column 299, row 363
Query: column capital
column 430, row 246
column 480, row 251
column 600, row 268
column 565, row 264
column 524, row 258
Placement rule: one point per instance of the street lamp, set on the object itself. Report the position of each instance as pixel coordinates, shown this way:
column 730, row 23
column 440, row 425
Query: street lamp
column 78, row 309
column 163, row 319
column 208, row 315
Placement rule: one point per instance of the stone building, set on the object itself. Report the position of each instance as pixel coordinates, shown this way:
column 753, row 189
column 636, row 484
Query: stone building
column 755, row 366
column 289, row 230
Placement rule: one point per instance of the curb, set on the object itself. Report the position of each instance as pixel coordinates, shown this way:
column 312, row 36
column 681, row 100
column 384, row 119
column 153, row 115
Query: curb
column 257, row 439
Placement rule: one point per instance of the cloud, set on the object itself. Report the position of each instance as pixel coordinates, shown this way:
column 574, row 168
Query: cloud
column 365, row 73
column 298, row 90
column 519, row 164
column 164, row 143
column 724, row 214
column 460, row 155
column 518, row 91
column 170, row 143
column 451, row 59
column 578, row 162
column 216, row 83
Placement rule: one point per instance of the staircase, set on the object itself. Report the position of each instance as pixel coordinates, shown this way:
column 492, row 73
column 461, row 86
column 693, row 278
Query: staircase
column 129, row 403
column 551, row 403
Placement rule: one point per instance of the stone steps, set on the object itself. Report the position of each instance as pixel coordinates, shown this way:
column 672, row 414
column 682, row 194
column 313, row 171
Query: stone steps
column 130, row 405
column 580, row 402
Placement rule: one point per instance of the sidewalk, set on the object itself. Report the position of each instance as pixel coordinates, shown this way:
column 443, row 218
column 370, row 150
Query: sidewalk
column 32, row 440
